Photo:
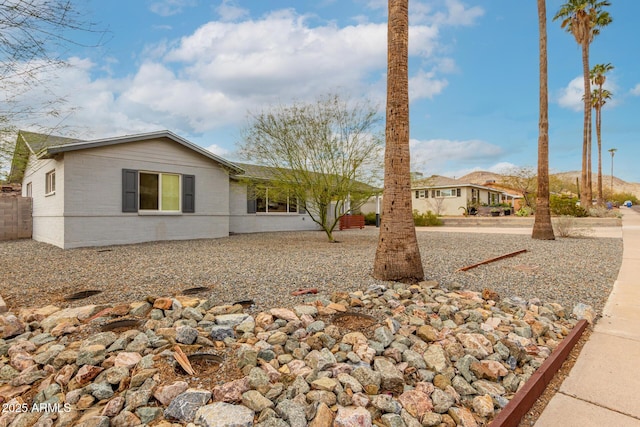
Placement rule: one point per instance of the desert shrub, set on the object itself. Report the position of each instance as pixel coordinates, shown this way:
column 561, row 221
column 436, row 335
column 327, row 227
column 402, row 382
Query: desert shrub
column 524, row 211
column 562, row 205
column 370, row 218
column 428, row 219
column 565, row 226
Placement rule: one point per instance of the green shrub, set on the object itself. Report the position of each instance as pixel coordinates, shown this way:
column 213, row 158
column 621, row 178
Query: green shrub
column 524, row 211
column 370, row 218
column 428, row 219
column 562, row 205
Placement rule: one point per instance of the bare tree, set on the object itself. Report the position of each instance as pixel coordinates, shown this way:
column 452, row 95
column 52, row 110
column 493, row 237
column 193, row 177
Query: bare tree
column 323, row 154
column 524, row 180
column 34, row 37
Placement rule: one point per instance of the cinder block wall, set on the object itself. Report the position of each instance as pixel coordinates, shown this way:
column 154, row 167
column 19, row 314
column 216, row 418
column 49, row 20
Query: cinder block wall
column 15, row 218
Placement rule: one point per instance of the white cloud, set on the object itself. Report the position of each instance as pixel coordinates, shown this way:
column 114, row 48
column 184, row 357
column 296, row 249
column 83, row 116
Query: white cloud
column 425, row 85
column 230, row 11
column 459, row 14
column 571, row 97
column 216, row 149
column 210, row 78
column 433, row 156
column 170, row 7
column 636, row 90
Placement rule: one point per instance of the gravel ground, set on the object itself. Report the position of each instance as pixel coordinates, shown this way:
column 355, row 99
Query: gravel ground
column 267, row 267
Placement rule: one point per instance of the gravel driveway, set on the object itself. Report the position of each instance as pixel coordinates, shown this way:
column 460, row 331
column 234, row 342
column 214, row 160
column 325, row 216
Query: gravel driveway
column 267, row 267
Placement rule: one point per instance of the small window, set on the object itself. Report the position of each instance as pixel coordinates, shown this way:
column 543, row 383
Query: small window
column 422, row 192
column 457, row 192
column 50, row 183
column 417, row 194
column 159, row 192
column 29, row 190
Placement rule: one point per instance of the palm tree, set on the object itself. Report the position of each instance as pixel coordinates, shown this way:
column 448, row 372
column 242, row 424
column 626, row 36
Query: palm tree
column 397, row 256
column 542, row 228
column 612, row 151
column 600, row 97
column 584, row 19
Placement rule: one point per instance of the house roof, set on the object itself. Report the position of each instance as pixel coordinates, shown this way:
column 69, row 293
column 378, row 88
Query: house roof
column 43, row 145
column 439, row 181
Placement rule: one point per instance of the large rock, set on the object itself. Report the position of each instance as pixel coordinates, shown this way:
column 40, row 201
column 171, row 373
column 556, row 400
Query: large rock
column 436, row 358
column 391, row 378
column 184, row 406
column 476, row 344
column 416, row 403
column 220, row 414
column 352, row 417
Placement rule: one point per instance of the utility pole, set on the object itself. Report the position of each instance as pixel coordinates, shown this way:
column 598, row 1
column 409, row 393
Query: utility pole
column 612, row 151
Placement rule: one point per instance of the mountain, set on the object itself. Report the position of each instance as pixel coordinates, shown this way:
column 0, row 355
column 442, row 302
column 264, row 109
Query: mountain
column 619, row 185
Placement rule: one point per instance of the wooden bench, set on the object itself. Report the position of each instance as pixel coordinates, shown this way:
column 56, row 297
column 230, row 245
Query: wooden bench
column 351, row 221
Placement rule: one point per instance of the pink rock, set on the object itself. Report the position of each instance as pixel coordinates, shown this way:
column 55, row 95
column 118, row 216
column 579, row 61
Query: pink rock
column 128, row 359
column 166, row 393
column 416, row 403
column 476, row 344
column 352, row 417
column 21, row 360
column 284, row 313
column 263, row 320
column 64, row 328
column 274, row 375
column 489, row 369
column 64, row 375
column 86, row 373
column 163, row 303
column 231, row 392
column 360, row 399
column 10, row 326
column 463, row 417
column 113, row 407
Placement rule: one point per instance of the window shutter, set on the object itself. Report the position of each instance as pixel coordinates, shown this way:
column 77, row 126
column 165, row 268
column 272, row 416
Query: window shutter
column 188, row 193
column 252, row 203
column 129, row 190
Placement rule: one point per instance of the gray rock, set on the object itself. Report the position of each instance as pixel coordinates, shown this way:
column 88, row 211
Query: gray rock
column 441, row 401
column 462, row 387
column 184, row 406
column 147, row 414
column 102, row 338
column 255, row 401
column 349, row 382
column 464, row 367
column 192, row 314
column 141, row 310
column 384, row 336
column 316, row 326
column 231, row 319
column 95, row 421
column 367, row 377
column 125, row 419
column 220, row 332
column 386, row 403
column 414, row 359
column 100, row 390
column 293, row 412
column 220, row 414
column 320, row 360
column 186, row 334
column 390, row 377
column 299, row 386
column 258, row 378
column 139, row 343
column 90, row 355
column 393, row 420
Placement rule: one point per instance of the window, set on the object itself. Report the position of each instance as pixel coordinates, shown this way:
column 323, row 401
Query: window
column 417, row 194
column 421, row 194
column 458, row 192
column 29, row 190
column 270, row 200
column 50, row 182
column 157, row 191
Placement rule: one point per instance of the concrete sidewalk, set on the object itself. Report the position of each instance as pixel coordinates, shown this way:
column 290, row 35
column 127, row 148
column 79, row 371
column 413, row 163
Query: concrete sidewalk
column 603, row 388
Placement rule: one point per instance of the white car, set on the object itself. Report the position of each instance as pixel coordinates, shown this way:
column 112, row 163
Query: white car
column 628, row 203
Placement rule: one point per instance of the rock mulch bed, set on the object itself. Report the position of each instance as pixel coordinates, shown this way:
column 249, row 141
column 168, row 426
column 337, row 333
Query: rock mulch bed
column 428, row 357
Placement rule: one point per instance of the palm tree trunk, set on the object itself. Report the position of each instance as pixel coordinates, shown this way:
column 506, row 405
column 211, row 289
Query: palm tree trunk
column 542, row 228
column 599, row 136
column 398, row 255
column 586, row 195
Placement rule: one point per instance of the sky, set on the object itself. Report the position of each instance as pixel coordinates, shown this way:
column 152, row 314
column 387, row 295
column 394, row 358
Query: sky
column 199, row 67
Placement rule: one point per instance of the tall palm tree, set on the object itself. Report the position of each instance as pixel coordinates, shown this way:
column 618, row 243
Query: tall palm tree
column 600, row 96
column 397, row 256
column 542, row 228
column 584, row 19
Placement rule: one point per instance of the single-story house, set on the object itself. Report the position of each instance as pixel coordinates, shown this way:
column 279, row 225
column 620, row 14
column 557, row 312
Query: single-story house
column 138, row 188
column 445, row 196
column 449, row 196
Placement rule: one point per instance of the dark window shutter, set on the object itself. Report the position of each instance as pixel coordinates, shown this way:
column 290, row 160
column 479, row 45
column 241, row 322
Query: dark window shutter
column 188, row 193
column 129, row 190
column 252, row 203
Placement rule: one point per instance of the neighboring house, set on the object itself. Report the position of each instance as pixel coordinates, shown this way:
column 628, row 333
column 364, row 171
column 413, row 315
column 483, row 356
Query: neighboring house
column 444, row 196
column 509, row 195
column 450, row 197
column 132, row 189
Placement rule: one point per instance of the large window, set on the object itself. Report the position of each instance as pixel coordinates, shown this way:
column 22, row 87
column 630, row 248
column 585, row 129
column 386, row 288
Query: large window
column 50, row 183
column 448, row 192
column 270, row 200
column 157, row 192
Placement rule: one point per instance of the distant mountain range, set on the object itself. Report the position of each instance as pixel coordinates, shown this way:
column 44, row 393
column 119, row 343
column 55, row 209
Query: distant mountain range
column 619, row 185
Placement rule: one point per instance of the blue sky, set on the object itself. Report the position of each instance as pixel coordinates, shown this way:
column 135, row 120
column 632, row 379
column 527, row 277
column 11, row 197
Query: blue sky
column 197, row 67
